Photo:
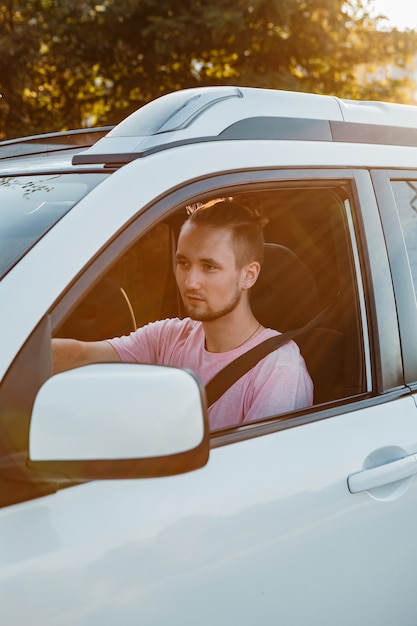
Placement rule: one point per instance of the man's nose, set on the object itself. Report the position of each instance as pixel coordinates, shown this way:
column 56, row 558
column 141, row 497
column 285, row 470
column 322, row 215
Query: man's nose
column 192, row 278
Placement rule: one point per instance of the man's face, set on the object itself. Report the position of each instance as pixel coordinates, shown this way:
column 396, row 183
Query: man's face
column 208, row 279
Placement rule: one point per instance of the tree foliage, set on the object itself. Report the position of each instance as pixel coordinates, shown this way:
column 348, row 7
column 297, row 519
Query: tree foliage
column 72, row 63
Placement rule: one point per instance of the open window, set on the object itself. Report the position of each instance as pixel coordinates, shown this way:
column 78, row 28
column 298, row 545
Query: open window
column 309, row 266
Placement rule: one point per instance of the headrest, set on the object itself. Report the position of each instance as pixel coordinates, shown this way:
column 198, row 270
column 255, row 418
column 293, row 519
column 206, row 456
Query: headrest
column 285, row 295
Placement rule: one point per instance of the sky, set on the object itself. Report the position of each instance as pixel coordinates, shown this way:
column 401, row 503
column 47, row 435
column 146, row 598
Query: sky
column 401, row 13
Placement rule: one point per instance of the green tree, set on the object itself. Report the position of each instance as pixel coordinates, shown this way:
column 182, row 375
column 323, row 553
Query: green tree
column 71, row 63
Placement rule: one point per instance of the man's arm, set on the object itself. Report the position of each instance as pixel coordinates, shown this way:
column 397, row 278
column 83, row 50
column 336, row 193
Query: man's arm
column 70, row 353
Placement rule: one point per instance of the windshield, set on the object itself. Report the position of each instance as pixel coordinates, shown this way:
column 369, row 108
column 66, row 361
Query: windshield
column 31, row 205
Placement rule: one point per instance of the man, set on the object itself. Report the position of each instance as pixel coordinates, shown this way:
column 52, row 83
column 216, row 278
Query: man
column 219, row 256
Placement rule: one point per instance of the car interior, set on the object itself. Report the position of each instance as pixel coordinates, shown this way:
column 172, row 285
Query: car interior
column 307, row 268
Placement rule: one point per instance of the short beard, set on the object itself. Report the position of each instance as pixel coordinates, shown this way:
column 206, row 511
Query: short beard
column 210, row 315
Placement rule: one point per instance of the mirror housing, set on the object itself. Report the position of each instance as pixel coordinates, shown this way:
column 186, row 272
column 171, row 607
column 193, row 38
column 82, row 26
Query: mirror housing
column 119, row 420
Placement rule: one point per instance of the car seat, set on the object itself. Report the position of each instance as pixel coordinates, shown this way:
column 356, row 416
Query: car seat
column 285, row 297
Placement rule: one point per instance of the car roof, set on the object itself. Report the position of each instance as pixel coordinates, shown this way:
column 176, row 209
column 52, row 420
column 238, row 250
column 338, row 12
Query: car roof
column 215, row 114
column 233, row 113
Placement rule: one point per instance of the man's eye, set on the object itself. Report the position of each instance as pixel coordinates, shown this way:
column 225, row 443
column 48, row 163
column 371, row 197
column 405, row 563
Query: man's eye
column 209, row 268
column 182, row 264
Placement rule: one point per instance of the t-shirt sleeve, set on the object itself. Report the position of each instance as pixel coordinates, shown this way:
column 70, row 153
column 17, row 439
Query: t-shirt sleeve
column 147, row 344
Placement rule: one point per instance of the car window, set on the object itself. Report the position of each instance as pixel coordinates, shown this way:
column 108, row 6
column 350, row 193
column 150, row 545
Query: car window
column 30, row 205
column 309, row 265
column 405, row 193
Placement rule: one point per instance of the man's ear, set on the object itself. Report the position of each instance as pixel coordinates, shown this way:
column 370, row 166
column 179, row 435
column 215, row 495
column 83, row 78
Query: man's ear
column 250, row 274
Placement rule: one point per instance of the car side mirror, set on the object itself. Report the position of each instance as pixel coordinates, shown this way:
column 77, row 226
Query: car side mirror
column 119, row 420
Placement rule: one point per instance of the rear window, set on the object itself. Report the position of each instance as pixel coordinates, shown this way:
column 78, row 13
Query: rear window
column 31, row 205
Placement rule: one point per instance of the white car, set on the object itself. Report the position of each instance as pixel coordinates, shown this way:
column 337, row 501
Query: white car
column 118, row 506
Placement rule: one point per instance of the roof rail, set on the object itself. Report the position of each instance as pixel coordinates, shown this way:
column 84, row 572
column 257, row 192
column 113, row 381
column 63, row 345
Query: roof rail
column 52, row 142
column 225, row 113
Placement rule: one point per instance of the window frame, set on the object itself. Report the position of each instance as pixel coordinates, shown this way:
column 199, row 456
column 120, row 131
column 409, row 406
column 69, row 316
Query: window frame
column 377, row 321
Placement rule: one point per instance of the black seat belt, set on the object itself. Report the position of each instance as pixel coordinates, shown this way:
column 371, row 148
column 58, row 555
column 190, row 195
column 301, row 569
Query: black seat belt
column 227, row 376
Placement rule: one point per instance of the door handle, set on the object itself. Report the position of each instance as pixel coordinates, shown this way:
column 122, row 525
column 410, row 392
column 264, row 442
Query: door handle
column 383, row 474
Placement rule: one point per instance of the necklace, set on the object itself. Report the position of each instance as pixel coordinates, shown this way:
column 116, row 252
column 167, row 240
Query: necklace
column 250, row 336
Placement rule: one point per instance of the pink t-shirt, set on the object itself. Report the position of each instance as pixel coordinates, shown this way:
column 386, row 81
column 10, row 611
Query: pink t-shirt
column 277, row 384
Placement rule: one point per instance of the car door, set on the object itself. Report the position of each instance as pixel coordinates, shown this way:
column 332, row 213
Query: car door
column 307, row 517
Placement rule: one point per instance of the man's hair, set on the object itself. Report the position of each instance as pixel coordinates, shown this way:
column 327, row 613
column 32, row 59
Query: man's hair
column 246, row 226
